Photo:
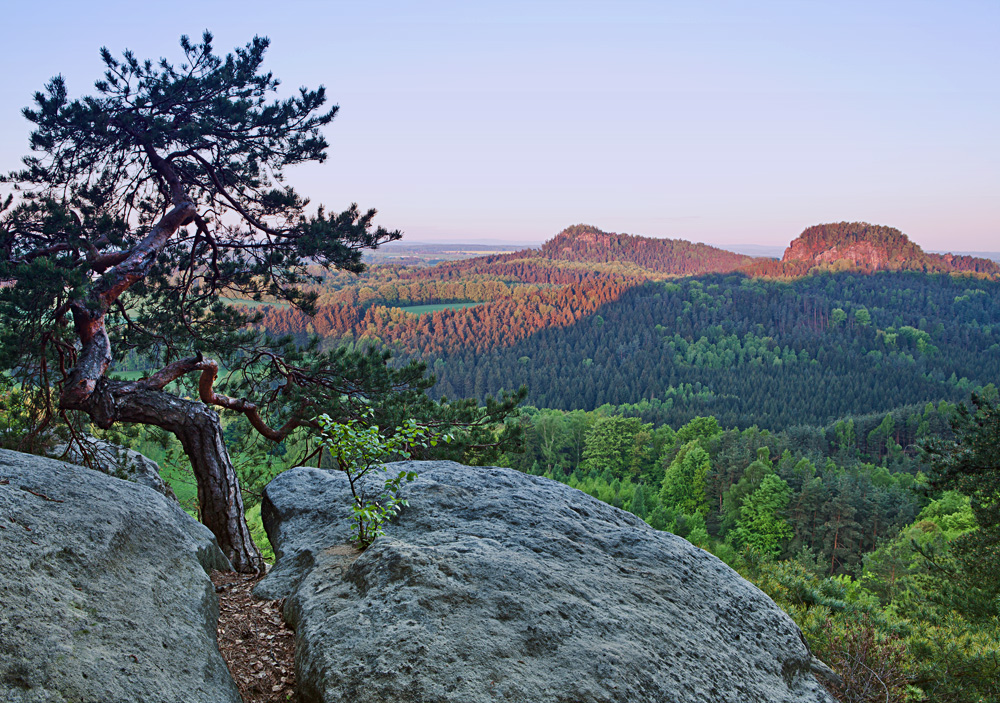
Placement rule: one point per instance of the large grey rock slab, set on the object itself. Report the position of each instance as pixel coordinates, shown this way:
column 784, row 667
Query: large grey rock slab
column 498, row 586
column 114, row 460
column 104, row 591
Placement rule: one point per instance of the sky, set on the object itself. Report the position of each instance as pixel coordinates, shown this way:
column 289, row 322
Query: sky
column 721, row 122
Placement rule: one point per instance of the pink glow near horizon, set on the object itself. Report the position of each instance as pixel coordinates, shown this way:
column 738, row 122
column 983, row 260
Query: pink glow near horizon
column 734, row 122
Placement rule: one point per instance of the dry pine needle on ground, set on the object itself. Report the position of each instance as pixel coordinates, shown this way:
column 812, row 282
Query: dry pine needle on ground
column 254, row 640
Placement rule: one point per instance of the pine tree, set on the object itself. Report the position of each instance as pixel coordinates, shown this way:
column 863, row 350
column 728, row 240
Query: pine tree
column 140, row 207
column 970, row 464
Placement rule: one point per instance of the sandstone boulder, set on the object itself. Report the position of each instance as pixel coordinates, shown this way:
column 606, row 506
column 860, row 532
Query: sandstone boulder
column 495, row 585
column 105, row 591
column 114, row 460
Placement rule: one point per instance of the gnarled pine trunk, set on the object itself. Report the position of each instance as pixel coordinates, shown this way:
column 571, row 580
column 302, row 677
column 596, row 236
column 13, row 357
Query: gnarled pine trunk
column 107, row 402
column 198, row 428
column 219, row 494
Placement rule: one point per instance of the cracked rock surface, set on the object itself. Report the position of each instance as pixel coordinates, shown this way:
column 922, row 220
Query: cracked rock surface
column 499, row 586
column 104, row 592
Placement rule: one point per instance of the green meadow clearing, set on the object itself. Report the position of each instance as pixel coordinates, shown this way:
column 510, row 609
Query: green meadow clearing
column 252, row 303
column 424, row 309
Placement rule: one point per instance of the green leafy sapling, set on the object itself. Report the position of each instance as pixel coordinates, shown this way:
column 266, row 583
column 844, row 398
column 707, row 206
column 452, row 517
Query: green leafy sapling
column 357, row 448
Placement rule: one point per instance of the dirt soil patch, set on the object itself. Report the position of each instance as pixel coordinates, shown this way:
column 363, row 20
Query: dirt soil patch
column 255, row 641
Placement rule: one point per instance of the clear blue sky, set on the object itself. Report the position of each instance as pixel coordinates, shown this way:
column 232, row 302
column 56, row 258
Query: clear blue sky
column 720, row 122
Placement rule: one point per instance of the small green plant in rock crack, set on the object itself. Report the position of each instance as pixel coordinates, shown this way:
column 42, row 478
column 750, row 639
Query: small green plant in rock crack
column 356, row 448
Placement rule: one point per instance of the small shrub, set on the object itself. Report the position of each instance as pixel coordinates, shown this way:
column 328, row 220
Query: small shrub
column 356, row 449
column 872, row 665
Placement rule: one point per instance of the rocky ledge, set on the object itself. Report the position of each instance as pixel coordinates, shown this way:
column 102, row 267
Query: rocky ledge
column 113, row 460
column 495, row 585
column 104, row 592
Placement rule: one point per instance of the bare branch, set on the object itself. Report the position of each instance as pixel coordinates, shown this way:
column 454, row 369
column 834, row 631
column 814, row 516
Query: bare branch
column 206, row 390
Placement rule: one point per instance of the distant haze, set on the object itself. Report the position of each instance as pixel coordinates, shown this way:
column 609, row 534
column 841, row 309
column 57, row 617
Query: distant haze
column 726, row 122
column 772, row 251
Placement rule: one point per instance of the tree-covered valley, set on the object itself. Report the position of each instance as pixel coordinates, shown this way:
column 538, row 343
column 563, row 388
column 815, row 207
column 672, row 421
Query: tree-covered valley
column 752, row 351
column 782, row 416
column 749, row 350
column 776, row 414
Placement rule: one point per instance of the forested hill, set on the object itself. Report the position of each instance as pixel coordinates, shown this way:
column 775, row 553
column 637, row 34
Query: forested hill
column 603, row 325
column 860, row 246
column 583, row 243
column 755, row 351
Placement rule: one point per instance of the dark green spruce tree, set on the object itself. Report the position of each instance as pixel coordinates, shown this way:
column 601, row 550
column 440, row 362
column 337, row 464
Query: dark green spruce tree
column 970, row 464
column 140, row 207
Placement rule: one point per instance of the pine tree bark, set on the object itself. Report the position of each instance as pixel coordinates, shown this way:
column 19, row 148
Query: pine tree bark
column 198, row 428
column 88, row 389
